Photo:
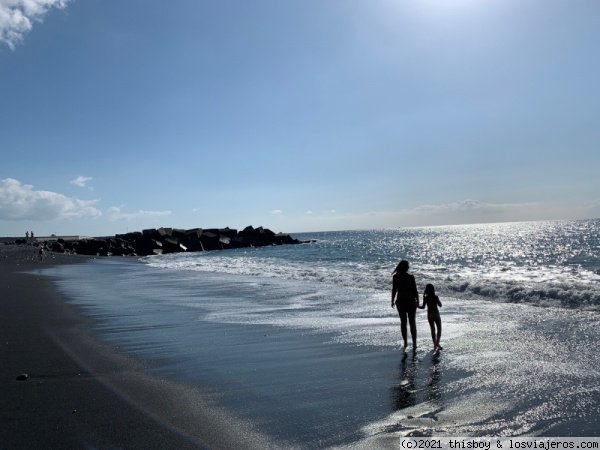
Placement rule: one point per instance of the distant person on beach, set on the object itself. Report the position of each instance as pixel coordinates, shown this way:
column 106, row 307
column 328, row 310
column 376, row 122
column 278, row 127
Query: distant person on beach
column 432, row 302
column 27, row 235
column 41, row 254
column 405, row 297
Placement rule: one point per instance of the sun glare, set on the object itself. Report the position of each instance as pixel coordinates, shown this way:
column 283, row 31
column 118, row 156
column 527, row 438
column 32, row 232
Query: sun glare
column 446, row 8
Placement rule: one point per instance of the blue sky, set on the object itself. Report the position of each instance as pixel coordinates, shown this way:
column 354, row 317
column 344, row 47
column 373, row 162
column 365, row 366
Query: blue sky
column 296, row 115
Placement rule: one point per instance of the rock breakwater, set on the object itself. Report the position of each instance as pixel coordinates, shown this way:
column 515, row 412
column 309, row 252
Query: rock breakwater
column 158, row 241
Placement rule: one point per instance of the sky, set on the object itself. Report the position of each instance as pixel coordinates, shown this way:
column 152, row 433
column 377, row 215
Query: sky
column 296, row 115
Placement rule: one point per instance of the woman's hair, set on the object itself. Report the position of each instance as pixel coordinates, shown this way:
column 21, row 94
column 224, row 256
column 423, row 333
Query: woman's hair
column 429, row 290
column 402, row 267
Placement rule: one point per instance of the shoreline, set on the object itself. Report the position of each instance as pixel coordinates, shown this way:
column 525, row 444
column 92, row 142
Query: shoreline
column 82, row 393
column 173, row 348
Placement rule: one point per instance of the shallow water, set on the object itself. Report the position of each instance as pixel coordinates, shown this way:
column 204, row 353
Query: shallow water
column 317, row 364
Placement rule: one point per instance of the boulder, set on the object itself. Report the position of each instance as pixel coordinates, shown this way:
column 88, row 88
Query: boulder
column 210, row 241
column 194, row 232
column 282, row 238
column 154, row 241
column 57, row 247
column 179, row 234
column 148, row 232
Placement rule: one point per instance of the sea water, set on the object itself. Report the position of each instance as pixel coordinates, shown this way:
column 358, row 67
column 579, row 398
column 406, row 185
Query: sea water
column 541, row 263
column 520, row 330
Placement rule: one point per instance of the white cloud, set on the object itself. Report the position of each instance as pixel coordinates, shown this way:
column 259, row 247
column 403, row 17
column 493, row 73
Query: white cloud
column 309, row 212
column 114, row 213
column 472, row 206
column 593, row 209
column 80, row 181
column 473, row 211
column 593, row 204
column 17, row 17
column 21, row 202
column 277, row 212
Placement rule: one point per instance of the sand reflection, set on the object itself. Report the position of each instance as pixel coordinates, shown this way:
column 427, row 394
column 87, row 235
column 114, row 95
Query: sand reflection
column 418, row 381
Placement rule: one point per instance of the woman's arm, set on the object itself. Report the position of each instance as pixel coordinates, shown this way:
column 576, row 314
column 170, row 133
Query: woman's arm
column 415, row 290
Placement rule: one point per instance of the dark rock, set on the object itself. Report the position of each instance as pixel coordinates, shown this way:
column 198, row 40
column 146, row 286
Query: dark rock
column 149, row 232
column 179, row 234
column 172, row 245
column 248, row 231
column 282, row 238
column 168, row 240
column 158, row 234
column 229, row 232
column 210, row 241
column 172, row 240
column 194, row 233
column 57, row 247
column 193, row 243
column 237, row 242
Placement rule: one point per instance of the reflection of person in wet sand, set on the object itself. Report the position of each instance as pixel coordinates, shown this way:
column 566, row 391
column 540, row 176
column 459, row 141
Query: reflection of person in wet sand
column 404, row 394
column 432, row 302
column 433, row 388
column 407, row 300
column 410, row 388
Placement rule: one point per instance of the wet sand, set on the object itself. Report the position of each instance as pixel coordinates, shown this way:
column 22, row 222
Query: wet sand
column 507, row 370
column 81, row 394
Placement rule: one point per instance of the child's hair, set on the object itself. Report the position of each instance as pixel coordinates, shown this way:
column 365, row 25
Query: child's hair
column 429, row 290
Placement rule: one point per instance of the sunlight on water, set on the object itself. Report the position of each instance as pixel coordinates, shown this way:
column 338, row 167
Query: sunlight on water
column 543, row 263
column 497, row 375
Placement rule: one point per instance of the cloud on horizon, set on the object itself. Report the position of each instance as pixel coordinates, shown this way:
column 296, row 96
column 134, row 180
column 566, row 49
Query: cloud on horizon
column 114, row 213
column 593, row 208
column 21, row 202
column 17, row 17
column 469, row 205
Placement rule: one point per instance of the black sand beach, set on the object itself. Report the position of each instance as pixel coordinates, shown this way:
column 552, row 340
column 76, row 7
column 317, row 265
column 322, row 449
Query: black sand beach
column 79, row 394
column 173, row 360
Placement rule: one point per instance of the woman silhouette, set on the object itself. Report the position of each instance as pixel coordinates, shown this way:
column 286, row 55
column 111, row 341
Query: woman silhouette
column 406, row 298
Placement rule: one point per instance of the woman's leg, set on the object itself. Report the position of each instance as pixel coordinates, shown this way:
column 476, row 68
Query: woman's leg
column 438, row 322
column 413, row 325
column 403, row 319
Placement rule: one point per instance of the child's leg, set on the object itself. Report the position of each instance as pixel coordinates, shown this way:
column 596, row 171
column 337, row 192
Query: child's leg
column 432, row 327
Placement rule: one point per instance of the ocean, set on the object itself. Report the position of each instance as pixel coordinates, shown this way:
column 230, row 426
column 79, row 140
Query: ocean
column 300, row 340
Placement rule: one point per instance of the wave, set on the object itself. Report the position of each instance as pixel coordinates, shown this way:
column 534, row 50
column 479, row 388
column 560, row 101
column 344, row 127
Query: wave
column 580, row 297
column 566, row 287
